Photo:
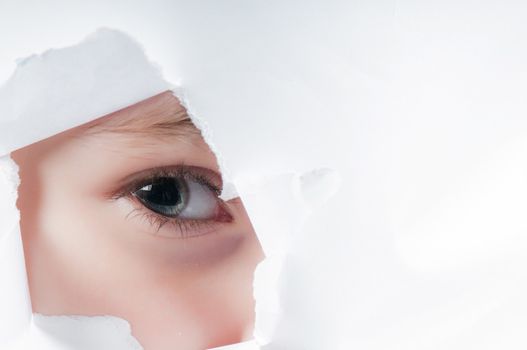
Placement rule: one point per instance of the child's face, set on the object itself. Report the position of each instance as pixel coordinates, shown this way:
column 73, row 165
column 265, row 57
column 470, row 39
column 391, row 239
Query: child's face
column 121, row 218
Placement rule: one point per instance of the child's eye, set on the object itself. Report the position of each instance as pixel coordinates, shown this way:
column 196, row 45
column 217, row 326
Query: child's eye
column 185, row 197
column 179, row 198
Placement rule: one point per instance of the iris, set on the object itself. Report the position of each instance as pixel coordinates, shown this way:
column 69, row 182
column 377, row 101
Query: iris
column 167, row 196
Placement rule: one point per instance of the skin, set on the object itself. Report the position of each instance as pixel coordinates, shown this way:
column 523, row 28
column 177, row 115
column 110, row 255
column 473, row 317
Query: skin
column 86, row 255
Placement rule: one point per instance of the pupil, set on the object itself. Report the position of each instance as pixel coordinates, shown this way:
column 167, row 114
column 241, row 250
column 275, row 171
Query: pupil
column 164, row 191
column 163, row 195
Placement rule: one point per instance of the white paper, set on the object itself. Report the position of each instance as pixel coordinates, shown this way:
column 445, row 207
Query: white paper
column 56, row 90
column 415, row 108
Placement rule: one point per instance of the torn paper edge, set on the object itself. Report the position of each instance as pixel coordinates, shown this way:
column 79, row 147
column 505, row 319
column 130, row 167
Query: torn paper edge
column 16, row 112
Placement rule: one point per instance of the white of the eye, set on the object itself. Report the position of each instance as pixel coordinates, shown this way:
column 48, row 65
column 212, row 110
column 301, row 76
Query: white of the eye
column 201, row 202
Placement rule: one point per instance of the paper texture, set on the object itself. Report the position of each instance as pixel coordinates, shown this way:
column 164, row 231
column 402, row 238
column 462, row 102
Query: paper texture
column 412, row 235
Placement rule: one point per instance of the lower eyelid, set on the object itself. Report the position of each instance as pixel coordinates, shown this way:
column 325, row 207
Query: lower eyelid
column 237, row 201
column 162, row 226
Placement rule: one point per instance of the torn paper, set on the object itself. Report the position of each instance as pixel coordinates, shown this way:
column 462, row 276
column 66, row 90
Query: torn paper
column 87, row 95
column 419, row 109
column 43, row 98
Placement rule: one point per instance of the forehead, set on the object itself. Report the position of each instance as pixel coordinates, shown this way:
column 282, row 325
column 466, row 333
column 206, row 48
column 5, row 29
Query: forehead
column 156, row 132
column 159, row 121
column 158, row 116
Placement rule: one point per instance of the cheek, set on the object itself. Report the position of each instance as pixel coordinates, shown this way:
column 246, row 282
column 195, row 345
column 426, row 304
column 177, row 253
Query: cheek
column 100, row 237
column 85, row 257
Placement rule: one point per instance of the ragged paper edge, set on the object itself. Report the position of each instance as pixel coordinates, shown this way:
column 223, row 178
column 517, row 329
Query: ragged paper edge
column 115, row 71
column 278, row 206
column 299, row 194
column 305, row 192
column 21, row 322
column 229, row 190
column 65, row 332
column 15, row 302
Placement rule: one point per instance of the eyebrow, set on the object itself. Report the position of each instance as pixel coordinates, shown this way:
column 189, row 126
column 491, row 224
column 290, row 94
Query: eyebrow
column 161, row 116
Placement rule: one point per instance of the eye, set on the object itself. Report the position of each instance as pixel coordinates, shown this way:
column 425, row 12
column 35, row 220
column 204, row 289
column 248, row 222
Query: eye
column 179, row 198
column 185, row 197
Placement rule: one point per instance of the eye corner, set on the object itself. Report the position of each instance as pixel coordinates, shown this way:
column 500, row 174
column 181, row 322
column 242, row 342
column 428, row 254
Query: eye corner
column 224, row 215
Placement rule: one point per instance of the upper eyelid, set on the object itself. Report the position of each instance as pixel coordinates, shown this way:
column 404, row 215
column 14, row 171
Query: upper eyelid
column 134, row 181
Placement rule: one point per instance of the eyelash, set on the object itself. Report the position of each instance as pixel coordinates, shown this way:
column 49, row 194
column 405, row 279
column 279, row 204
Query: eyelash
column 183, row 226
